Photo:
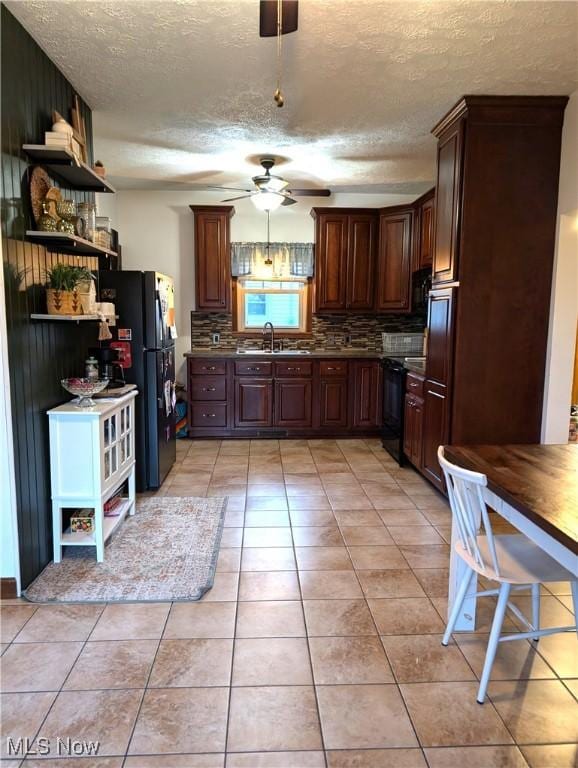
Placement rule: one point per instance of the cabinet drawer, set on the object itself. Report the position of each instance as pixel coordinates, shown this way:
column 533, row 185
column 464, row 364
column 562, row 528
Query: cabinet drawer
column 291, row 368
column 208, row 415
column 207, row 366
column 208, row 388
column 253, row 368
column 414, row 384
column 333, row 368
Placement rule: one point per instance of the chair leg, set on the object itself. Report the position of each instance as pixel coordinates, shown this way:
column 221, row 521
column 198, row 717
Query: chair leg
column 574, row 588
column 457, row 606
column 536, row 608
column 493, row 640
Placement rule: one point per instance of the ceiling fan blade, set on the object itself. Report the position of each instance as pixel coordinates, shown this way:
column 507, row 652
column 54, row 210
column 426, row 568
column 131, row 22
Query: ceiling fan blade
column 310, row 192
column 288, row 201
column 241, row 197
column 232, row 189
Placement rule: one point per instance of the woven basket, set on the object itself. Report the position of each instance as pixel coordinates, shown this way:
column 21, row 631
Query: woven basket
column 63, row 302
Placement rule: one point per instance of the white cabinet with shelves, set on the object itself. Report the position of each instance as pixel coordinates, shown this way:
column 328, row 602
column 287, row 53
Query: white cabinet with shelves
column 91, row 457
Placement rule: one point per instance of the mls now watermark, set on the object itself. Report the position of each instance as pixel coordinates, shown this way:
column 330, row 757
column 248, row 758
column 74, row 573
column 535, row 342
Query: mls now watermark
column 57, row 747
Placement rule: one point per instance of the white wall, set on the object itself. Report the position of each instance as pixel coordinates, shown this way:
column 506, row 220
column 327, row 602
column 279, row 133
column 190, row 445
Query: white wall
column 156, row 232
column 564, row 307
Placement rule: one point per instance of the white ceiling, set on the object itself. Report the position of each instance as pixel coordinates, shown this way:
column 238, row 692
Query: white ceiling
column 182, row 89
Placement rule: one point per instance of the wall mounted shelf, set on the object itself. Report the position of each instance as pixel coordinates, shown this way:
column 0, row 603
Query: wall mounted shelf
column 66, row 318
column 63, row 164
column 60, row 241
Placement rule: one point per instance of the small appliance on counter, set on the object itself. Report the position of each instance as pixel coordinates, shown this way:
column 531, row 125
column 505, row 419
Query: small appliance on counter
column 144, row 342
column 109, row 366
column 397, row 347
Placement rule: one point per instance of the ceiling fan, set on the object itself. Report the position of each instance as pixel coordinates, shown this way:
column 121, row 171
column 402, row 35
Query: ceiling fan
column 272, row 191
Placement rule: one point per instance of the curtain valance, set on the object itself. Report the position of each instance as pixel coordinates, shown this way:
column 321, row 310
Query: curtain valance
column 289, row 259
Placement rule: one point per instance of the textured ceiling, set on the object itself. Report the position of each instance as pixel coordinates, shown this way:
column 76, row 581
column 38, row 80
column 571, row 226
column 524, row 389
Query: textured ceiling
column 182, row 89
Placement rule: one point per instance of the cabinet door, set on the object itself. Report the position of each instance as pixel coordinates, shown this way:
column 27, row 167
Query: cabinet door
column 212, row 260
column 440, row 335
column 253, row 402
column 394, row 262
column 408, row 427
column 448, row 204
column 293, row 402
column 435, row 430
column 366, row 395
column 333, row 402
column 417, row 437
column 331, row 262
column 361, row 262
column 426, row 223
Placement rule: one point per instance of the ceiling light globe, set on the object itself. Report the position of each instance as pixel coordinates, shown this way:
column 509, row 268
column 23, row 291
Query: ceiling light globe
column 267, row 201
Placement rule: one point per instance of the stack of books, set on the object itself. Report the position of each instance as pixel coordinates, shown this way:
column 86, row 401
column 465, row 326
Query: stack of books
column 62, row 141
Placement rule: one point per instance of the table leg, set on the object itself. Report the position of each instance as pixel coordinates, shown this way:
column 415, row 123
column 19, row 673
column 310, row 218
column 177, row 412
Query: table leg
column 467, row 619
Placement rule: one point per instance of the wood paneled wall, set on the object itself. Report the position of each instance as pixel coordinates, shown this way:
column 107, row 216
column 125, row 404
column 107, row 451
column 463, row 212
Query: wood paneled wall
column 40, row 353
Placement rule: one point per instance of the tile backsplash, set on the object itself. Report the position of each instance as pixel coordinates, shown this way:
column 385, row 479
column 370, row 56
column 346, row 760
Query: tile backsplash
column 337, row 331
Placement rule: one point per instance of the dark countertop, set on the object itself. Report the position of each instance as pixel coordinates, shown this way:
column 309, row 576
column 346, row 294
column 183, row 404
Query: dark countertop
column 317, row 353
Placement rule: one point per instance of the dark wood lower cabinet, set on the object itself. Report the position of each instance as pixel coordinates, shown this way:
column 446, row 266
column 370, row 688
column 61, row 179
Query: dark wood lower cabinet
column 333, row 402
column 413, row 430
column 293, row 402
column 366, row 394
column 435, row 430
column 253, row 402
column 232, row 397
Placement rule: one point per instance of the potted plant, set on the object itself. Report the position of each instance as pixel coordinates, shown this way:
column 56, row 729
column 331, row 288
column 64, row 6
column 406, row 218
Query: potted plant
column 86, row 289
column 62, row 296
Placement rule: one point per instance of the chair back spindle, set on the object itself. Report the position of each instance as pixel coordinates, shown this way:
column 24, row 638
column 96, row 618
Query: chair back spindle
column 470, row 512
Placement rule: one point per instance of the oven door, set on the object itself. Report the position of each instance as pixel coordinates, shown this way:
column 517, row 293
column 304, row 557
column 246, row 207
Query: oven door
column 393, row 400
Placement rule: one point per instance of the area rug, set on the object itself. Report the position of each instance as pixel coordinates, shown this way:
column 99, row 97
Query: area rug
column 166, row 551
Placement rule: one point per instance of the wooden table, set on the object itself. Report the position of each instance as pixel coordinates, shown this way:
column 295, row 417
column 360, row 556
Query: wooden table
column 535, row 488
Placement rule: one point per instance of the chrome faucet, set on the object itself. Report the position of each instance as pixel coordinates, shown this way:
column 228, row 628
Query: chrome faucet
column 269, row 325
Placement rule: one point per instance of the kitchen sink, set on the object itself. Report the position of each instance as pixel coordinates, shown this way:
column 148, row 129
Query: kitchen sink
column 287, row 352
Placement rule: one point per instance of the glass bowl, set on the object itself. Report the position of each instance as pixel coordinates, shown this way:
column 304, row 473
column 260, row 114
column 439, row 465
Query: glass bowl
column 84, row 389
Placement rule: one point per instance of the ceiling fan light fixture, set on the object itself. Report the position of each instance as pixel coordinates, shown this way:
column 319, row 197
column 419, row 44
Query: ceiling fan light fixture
column 274, row 184
column 267, row 201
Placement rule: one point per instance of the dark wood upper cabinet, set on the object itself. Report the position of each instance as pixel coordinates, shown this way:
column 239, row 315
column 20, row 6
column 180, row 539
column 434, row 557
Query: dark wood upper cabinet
column 345, row 246
column 331, row 261
column 361, row 262
column 394, row 261
column 366, row 394
column 426, row 232
column 448, row 202
column 212, row 257
column 293, row 402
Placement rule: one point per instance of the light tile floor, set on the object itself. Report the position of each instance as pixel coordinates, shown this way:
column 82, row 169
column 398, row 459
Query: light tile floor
column 319, row 644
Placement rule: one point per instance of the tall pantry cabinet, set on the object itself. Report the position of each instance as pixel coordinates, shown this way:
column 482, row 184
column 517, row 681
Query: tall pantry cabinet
column 495, row 218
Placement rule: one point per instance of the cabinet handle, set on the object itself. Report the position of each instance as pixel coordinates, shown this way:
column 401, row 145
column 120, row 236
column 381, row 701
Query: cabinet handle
column 332, row 368
column 209, row 389
column 254, row 368
column 293, row 368
column 209, row 415
column 209, row 368
column 413, row 384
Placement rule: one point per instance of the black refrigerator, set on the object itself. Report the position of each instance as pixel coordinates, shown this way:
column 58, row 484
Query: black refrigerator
column 144, row 304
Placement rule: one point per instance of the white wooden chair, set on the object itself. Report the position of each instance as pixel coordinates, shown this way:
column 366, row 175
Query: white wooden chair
column 512, row 560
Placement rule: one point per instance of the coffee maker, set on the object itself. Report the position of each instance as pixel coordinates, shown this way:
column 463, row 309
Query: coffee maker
column 109, row 366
